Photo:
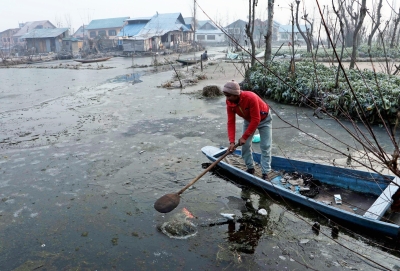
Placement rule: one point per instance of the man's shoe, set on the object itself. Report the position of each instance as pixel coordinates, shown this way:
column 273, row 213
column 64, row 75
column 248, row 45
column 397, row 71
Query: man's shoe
column 250, row 170
column 265, row 177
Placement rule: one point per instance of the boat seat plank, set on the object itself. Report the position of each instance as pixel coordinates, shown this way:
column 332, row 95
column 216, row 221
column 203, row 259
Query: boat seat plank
column 380, row 206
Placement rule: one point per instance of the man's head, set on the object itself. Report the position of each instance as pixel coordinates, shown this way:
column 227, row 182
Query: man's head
column 231, row 91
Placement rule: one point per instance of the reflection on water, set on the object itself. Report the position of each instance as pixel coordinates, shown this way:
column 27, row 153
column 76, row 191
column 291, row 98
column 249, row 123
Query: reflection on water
column 179, row 227
column 245, row 233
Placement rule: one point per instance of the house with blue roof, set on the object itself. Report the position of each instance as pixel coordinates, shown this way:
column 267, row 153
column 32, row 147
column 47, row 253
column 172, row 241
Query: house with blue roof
column 165, row 31
column 127, row 37
column 45, row 40
column 29, row 26
column 108, row 28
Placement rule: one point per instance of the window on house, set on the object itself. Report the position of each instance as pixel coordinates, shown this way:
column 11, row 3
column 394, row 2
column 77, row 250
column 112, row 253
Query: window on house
column 210, row 37
column 67, row 43
column 201, row 37
column 39, row 27
column 102, row 33
column 164, row 38
column 112, row 32
column 92, row 34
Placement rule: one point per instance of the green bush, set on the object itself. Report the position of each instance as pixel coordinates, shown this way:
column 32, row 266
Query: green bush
column 312, row 88
column 376, row 51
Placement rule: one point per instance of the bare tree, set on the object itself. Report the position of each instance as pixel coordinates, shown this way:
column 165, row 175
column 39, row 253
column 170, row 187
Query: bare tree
column 58, row 22
column 360, row 19
column 292, row 67
column 250, row 29
column 349, row 17
column 341, row 24
column 305, row 37
column 396, row 24
column 68, row 21
column 376, row 23
column 268, row 37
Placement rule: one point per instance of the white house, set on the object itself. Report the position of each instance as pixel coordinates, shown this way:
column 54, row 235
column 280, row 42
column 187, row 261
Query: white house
column 208, row 33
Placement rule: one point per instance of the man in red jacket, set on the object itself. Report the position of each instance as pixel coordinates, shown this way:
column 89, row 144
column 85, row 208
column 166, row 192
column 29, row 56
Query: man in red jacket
column 256, row 115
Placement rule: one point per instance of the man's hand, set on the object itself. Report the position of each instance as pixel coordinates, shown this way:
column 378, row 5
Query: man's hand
column 232, row 147
column 241, row 141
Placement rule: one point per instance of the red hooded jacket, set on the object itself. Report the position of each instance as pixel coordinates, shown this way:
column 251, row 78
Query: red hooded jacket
column 250, row 107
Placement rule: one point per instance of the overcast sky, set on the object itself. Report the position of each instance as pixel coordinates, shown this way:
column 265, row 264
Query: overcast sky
column 82, row 11
column 79, row 12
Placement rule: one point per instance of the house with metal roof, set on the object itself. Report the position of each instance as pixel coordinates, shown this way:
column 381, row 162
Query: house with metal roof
column 73, row 45
column 106, row 27
column 208, row 33
column 237, row 31
column 166, row 31
column 189, row 22
column 128, row 35
column 285, row 33
column 29, row 26
column 45, row 40
column 7, row 39
column 81, row 32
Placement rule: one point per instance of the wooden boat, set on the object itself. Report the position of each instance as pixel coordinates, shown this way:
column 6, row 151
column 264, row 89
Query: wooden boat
column 188, row 61
column 92, row 60
column 364, row 197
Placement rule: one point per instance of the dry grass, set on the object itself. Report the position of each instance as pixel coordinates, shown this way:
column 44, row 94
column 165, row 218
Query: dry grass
column 212, row 91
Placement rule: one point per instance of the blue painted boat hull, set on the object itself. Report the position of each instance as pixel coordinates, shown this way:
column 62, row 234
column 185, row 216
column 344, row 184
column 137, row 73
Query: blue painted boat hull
column 354, row 180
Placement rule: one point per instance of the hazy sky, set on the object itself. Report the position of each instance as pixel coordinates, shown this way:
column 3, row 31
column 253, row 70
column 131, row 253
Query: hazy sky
column 80, row 12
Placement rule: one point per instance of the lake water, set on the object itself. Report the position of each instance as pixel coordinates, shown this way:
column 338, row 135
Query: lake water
column 86, row 153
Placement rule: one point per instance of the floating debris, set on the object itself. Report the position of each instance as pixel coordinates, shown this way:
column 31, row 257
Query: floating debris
column 304, row 241
column 114, row 241
column 187, row 213
column 228, row 216
column 262, row 212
